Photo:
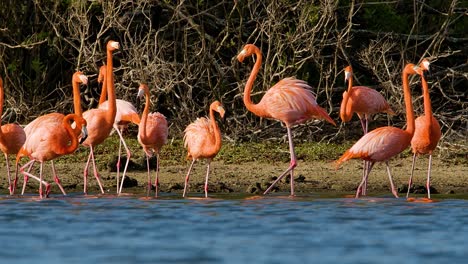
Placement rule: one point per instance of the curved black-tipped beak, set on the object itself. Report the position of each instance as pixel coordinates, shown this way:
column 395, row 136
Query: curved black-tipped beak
column 84, row 134
column 427, row 74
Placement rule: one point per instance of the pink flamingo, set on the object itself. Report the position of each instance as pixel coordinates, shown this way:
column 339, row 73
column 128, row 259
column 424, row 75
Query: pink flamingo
column 383, row 143
column 49, row 137
column 203, row 141
column 126, row 114
column 152, row 135
column 289, row 101
column 427, row 133
column 12, row 137
column 363, row 101
column 100, row 121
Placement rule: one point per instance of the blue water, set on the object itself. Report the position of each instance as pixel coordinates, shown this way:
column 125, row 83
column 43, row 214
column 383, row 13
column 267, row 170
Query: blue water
column 270, row 229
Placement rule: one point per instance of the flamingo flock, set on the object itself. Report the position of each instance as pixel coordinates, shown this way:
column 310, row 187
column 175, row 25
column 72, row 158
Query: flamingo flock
column 290, row 101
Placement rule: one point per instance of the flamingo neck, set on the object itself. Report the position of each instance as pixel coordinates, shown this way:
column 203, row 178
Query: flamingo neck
column 144, row 115
column 254, row 108
column 103, row 96
column 77, row 98
column 427, row 101
column 217, row 131
column 109, row 77
column 71, row 134
column 408, row 104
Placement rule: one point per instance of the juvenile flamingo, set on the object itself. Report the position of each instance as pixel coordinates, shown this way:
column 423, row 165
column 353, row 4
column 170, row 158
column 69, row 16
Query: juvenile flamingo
column 152, row 135
column 289, row 101
column 100, row 121
column 48, row 137
column 203, row 141
column 126, row 114
column 383, row 143
column 427, row 133
column 12, row 137
column 363, row 101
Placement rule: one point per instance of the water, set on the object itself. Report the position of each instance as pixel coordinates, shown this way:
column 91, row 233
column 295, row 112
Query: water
column 271, row 229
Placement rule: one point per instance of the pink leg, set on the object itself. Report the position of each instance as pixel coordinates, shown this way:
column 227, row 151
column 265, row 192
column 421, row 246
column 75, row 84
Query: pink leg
column 156, row 181
column 56, row 178
column 428, row 183
column 15, row 182
column 291, row 167
column 410, row 182
column 85, row 173
column 129, row 154
column 206, row 177
column 148, row 176
column 96, row 174
column 25, row 174
column 187, row 178
column 10, row 185
column 364, row 179
column 394, row 191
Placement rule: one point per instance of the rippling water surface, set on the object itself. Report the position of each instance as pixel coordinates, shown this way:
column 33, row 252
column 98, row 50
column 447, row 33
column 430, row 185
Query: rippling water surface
column 270, row 229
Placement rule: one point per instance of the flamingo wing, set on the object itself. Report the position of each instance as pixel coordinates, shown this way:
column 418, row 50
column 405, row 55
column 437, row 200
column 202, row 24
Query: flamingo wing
column 126, row 112
column 366, row 100
column 156, row 131
column 198, row 138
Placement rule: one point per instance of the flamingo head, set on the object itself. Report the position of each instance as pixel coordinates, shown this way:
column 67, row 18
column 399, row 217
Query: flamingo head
column 79, row 77
column 102, row 73
column 424, row 65
column 112, row 45
column 348, row 71
column 142, row 90
column 412, row 69
column 218, row 107
column 247, row 51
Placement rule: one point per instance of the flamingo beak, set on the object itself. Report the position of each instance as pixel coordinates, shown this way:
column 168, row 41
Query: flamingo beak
column 241, row 55
column 347, row 75
column 221, row 111
column 84, row 134
column 84, row 79
column 141, row 93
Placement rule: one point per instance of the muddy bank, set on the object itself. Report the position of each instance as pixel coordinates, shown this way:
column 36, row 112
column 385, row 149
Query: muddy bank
column 253, row 178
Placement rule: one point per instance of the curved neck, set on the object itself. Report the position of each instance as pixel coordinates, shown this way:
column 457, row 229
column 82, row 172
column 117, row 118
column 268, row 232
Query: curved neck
column 408, row 104
column 103, row 96
column 217, row 131
column 71, row 134
column 248, row 86
column 77, row 98
column 112, row 110
column 427, row 101
column 144, row 115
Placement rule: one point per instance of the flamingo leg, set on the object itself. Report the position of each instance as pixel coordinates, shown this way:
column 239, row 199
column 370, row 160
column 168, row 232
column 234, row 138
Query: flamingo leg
column 85, row 174
column 206, row 177
column 25, row 181
column 15, row 182
column 122, row 141
column 156, row 181
column 96, row 174
column 118, row 161
column 56, row 178
column 364, row 179
column 10, row 187
column 187, row 178
column 428, row 183
column 148, row 188
column 291, row 167
column 365, row 164
column 410, row 182
column 395, row 193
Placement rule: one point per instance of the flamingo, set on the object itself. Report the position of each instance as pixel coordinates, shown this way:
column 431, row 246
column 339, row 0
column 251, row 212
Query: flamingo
column 152, row 135
column 49, row 136
column 427, row 132
column 126, row 114
column 12, row 137
column 101, row 121
column 383, row 143
column 363, row 101
column 289, row 101
column 203, row 141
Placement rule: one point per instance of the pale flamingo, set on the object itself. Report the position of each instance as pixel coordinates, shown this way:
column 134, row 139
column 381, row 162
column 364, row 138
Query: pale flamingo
column 152, row 135
column 289, row 101
column 427, row 133
column 365, row 102
column 47, row 137
column 384, row 143
column 126, row 114
column 203, row 141
column 12, row 137
column 100, row 121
